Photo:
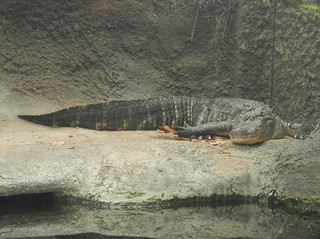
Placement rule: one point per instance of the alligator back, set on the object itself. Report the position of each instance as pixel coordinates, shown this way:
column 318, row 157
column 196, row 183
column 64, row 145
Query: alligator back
column 146, row 114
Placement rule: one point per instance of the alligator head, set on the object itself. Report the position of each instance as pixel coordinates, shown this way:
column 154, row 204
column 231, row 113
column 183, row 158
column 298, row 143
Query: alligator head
column 253, row 129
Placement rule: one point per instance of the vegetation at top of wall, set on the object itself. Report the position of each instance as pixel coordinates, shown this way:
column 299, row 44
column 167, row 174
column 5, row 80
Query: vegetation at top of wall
column 312, row 12
column 310, row 6
column 306, row 8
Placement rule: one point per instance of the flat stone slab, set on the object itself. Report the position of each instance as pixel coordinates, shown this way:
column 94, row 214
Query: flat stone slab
column 134, row 167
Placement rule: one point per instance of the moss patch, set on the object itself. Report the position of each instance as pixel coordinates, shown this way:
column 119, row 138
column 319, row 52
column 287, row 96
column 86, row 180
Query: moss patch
column 191, row 62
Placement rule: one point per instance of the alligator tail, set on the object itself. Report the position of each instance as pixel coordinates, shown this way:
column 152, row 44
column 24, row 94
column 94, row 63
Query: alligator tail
column 147, row 114
column 61, row 118
column 45, row 119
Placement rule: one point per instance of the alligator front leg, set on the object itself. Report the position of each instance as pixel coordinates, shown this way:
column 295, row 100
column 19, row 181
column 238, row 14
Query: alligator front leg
column 205, row 130
column 297, row 131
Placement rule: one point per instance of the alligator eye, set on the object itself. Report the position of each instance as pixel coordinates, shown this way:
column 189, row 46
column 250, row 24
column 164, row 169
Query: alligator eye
column 256, row 116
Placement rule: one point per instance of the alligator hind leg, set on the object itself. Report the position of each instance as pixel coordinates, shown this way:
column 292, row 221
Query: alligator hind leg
column 222, row 128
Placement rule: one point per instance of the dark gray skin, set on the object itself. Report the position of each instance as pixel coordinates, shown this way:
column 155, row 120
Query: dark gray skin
column 244, row 121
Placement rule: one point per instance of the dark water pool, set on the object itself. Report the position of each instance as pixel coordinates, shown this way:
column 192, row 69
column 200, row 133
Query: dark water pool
column 44, row 216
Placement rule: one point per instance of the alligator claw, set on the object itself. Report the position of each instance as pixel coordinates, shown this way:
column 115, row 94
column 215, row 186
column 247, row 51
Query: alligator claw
column 191, row 132
column 201, row 137
column 208, row 137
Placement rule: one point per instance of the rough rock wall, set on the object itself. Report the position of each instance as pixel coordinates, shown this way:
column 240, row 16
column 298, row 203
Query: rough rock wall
column 76, row 50
column 297, row 64
column 254, row 57
column 69, row 52
column 80, row 51
column 295, row 76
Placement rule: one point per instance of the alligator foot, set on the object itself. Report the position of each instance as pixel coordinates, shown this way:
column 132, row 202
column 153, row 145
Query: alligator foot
column 195, row 132
column 302, row 133
column 187, row 132
column 190, row 132
column 205, row 131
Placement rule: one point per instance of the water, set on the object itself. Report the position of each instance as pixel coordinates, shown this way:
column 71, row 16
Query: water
column 46, row 217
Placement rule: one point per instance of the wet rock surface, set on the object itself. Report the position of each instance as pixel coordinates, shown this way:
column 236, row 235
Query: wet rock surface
column 63, row 220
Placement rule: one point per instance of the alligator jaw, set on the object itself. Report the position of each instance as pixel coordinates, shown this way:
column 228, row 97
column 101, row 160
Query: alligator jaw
column 245, row 135
column 246, row 139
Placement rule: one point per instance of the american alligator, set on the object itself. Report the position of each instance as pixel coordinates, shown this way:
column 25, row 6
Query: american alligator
column 244, row 121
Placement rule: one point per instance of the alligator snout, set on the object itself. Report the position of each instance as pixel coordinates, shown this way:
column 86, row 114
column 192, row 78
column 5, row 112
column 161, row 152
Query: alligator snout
column 253, row 132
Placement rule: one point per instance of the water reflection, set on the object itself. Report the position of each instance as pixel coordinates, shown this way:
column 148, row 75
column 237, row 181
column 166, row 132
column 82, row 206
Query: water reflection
column 52, row 219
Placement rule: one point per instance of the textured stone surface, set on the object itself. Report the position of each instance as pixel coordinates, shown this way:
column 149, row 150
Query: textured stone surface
column 56, row 54
column 143, row 168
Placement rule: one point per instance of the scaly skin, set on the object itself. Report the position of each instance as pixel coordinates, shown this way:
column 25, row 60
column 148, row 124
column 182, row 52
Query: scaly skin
column 244, row 121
